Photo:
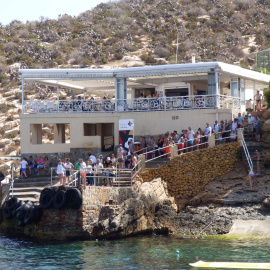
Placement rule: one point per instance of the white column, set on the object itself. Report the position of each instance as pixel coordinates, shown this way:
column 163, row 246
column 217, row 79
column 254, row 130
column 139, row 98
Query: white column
column 22, row 95
column 217, row 88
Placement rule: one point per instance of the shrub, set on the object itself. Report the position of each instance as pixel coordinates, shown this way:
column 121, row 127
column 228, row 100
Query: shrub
column 267, row 96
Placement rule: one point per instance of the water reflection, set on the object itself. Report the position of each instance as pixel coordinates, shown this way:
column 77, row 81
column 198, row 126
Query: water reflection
column 157, row 252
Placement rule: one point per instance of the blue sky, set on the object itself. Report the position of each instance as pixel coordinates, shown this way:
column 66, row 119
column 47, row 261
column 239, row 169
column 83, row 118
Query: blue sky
column 31, row 10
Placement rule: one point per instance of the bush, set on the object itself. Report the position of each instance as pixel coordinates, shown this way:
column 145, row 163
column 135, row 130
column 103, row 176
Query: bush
column 267, row 96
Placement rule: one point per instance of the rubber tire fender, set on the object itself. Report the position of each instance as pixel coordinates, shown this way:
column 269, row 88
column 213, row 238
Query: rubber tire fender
column 29, row 215
column 59, row 199
column 12, row 203
column 46, row 198
column 14, row 211
column 74, row 198
column 38, row 214
column 7, row 213
column 22, row 211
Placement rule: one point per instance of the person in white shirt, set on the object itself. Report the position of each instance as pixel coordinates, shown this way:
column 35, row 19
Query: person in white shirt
column 251, row 123
column 89, row 172
column 216, row 130
column 82, row 170
column 190, row 138
column 94, row 159
column 207, row 133
column 24, row 163
column 60, row 169
column 69, row 166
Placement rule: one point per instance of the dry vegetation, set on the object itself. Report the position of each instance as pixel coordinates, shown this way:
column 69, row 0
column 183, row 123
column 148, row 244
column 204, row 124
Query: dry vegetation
column 213, row 30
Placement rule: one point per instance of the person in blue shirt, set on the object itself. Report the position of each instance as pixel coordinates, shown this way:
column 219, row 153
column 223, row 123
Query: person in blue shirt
column 257, row 129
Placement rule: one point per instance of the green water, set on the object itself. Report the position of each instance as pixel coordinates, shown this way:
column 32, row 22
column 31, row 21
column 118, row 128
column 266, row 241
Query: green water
column 153, row 252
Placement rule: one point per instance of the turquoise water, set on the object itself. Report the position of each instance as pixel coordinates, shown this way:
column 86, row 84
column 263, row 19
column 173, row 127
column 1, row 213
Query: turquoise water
column 153, row 252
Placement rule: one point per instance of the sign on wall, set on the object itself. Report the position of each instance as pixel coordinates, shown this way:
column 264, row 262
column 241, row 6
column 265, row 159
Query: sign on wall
column 126, row 132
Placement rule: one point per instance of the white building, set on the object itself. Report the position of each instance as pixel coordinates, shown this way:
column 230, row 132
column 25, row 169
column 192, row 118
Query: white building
column 184, row 95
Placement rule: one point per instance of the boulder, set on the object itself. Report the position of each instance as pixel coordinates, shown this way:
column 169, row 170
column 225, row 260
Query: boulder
column 266, row 114
column 150, row 209
column 9, row 125
column 4, row 142
column 266, row 126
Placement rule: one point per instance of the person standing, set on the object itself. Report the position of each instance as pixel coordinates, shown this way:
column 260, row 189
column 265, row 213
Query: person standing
column 190, row 138
column 216, row 130
column 24, row 163
column 207, row 133
column 251, row 122
column 258, row 161
column 258, row 98
column 60, row 169
column 257, row 127
column 120, row 157
column 69, row 166
column 82, row 170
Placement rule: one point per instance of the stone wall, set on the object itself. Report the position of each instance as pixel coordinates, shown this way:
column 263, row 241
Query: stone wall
column 188, row 174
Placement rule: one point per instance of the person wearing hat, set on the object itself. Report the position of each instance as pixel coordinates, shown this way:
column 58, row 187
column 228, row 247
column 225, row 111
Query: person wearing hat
column 107, row 162
column 251, row 122
column 94, row 159
column 100, row 157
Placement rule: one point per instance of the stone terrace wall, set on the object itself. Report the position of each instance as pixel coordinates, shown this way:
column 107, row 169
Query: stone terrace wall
column 188, row 174
column 71, row 223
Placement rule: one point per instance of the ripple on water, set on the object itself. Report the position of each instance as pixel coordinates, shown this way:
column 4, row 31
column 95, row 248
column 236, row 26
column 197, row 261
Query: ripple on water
column 152, row 252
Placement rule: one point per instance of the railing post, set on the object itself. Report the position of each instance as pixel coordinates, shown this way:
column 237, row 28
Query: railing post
column 239, row 135
column 211, row 140
column 141, row 161
column 174, row 151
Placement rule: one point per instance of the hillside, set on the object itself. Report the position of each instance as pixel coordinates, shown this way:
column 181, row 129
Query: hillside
column 128, row 33
column 212, row 30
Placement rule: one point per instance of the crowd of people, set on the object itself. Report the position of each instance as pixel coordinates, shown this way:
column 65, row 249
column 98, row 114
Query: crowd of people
column 190, row 140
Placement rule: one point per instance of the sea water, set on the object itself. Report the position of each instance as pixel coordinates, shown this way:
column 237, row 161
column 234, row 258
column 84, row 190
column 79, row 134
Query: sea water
column 143, row 252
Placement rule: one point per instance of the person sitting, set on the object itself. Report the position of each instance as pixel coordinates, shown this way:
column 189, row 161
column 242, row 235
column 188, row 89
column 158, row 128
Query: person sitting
column 46, row 163
column 31, row 164
column 40, row 162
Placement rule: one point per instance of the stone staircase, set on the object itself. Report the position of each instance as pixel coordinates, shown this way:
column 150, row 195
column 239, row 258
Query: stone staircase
column 29, row 189
column 252, row 145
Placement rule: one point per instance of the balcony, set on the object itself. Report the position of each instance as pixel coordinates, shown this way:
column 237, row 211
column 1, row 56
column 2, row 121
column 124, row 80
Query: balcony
column 131, row 105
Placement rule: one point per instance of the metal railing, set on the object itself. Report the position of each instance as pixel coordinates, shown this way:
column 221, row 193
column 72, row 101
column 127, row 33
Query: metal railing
column 131, row 105
column 11, row 187
column 101, row 176
column 194, row 147
column 250, row 164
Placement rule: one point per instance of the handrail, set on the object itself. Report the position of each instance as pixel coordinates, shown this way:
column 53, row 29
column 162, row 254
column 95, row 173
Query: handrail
column 11, row 185
column 250, row 164
column 134, row 105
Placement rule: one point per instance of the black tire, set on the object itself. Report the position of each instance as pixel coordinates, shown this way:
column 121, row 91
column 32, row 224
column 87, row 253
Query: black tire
column 20, row 223
column 74, row 198
column 22, row 211
column 6, row 213
column 38, row 214
column 12, row 203
column 46, row 198
column 14, row 211
column 59, row 199
column 29, row 215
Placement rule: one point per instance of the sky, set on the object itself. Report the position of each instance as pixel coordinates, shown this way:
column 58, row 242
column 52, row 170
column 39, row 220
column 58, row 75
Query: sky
column 31, row 10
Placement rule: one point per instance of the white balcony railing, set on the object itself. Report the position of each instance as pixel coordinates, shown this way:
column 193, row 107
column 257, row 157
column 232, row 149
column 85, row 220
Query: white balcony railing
column 131, row 105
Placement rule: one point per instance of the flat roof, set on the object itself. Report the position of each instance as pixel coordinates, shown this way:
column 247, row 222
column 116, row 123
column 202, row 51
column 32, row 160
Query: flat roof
column 103, row 79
